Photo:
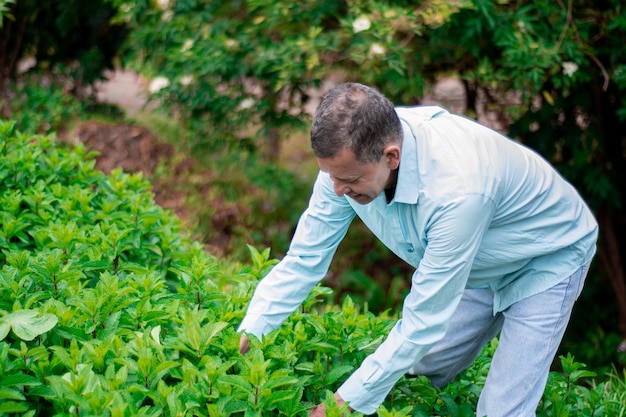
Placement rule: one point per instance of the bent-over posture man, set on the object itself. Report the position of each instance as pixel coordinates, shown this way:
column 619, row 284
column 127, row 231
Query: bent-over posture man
column 500, row 242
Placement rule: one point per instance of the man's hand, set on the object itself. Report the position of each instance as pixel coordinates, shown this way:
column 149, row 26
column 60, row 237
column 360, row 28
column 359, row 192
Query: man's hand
column 320, row 410
column 244, row 344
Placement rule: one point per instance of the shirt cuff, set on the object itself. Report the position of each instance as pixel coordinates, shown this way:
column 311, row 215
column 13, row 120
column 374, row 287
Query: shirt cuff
column 255, row 325
column 353, row 396
column 366, row 389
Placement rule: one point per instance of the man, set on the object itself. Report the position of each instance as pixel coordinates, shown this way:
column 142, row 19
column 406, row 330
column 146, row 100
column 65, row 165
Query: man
column 500, row 242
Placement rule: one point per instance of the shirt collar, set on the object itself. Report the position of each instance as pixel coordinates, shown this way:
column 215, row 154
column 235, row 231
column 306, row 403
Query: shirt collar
column 406, row 187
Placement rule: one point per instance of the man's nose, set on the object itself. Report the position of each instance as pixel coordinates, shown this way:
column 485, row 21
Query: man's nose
column 340, row 189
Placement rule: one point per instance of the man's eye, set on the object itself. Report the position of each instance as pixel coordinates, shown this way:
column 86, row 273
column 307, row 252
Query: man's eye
column 345, row 181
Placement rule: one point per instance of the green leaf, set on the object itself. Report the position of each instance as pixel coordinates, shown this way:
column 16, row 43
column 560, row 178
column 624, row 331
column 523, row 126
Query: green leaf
column 305, row 366
column 279, row 396
column 7, row 128
column 235, row 406
column 4, row 330
column 40, row 391
column 237, row 381
column 11, row 394
column 71, row 333
column 334, row 374
column 13, row 407
column 576, row 375
column 28, row 324
column 279, row 382
column 19, row 379
column 453, row 409
column 163, row 369
column 94, row 265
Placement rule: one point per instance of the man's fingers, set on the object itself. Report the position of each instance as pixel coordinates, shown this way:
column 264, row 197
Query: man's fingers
column 319, row 411
column 244, row 344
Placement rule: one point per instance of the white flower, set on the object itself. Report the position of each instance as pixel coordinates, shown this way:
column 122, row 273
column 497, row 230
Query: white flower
column 163, row 4
column 167, row 15
column 569, row 68
column 157, row 84
column 377, row 49
column 186, row 80
column 187, row 45
column 231, row 44
column 361, row 24
column 246, row 103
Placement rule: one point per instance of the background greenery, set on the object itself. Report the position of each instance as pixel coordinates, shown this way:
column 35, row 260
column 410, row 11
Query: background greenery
column 235, row 82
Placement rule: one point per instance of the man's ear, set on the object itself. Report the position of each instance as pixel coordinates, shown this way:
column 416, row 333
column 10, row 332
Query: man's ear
column 392, row 153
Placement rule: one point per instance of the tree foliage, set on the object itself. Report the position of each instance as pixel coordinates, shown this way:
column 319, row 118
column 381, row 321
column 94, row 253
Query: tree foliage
column 230, row 65
column 81, row 36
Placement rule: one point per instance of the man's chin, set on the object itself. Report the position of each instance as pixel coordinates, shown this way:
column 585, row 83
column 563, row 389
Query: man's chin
column 362, row 199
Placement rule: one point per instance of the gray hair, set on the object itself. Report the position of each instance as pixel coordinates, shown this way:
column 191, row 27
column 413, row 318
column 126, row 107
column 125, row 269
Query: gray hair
column 356, row 117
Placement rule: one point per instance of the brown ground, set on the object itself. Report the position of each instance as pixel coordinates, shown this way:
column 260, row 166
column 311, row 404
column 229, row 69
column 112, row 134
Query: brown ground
column 134, row 149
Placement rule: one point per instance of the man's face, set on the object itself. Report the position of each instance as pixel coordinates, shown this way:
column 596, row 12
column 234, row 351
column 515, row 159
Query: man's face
column 360, row 181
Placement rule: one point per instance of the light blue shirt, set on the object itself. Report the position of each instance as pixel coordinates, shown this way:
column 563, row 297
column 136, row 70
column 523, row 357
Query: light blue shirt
column 472, row 209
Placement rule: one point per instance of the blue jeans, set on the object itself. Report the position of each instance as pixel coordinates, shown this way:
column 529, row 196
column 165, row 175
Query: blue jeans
column 530, row 333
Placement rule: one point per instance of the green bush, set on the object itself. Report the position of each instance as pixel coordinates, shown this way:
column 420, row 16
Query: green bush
column 40, row 104
column 108, row 309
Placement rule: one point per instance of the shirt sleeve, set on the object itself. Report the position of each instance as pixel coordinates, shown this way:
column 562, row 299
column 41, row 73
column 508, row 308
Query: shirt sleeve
column 319, row 231
column 453, row 234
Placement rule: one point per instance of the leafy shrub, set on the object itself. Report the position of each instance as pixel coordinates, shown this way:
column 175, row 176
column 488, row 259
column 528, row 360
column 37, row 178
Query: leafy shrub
column 39, row 103
column 108, row 309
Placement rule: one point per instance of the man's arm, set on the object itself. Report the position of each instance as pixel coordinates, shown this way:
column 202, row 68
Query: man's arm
column 454, row 234
column 320, row 230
